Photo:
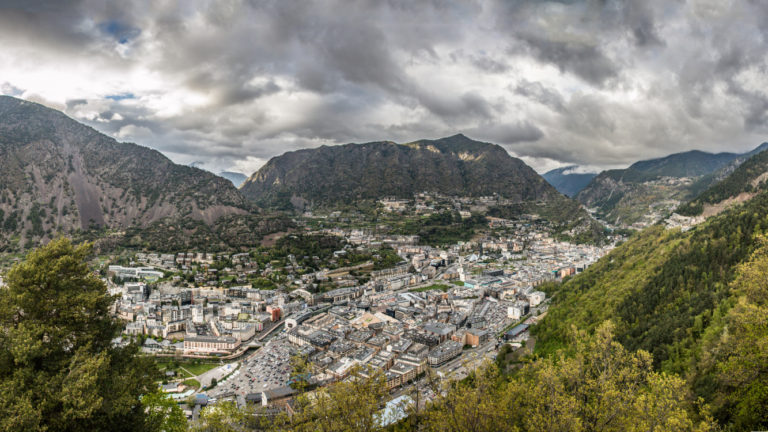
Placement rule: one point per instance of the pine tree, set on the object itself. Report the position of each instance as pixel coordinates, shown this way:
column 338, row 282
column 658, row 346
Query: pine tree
column 59, row 370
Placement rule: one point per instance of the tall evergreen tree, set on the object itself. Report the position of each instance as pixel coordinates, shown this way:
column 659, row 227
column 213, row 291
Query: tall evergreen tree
column 59, row 370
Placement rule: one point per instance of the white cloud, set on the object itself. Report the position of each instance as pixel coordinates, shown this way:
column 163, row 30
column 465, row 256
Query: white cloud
column 248, row 165
column 133, row 132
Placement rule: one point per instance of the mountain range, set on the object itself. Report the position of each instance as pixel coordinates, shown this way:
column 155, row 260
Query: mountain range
column 61, row 176
column 648, row 190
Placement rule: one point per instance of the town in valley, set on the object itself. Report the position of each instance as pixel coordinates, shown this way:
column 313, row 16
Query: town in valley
column 232, row 326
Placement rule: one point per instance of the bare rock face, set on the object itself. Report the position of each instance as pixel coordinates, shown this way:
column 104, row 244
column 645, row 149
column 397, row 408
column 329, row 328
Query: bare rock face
column 60, row 176
column 331, row 175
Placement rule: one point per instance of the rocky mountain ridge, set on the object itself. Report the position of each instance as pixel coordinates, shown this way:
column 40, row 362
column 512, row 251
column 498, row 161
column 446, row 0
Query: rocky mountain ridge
column 60, row 176
column 332, row 175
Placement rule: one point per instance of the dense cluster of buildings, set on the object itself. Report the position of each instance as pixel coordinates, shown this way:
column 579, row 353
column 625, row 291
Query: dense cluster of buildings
column 402, row 331
column 205, row 321
column 422, row 312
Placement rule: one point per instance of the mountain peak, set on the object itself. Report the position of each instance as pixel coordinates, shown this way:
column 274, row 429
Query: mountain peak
column 459, row 136
column 455, row 165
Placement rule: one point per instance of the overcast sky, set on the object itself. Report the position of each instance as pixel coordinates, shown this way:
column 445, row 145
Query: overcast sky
column 231, row 84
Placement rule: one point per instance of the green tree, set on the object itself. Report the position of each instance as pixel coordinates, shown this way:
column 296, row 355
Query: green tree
column 163, row 413
column 474, row 405
column 227, row 417
column 601, row 386
column 596, row 386
column 739, row 356
column 58, row 367
column 222, row 417
column 350, row 405
column 300, row 368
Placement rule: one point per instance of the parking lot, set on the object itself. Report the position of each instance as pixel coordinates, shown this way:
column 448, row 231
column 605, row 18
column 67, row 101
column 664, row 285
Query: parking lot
column 267, row 368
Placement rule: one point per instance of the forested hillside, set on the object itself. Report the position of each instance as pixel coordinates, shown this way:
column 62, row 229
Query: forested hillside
column 568, row 220
column 673, row 294
column 226, row 233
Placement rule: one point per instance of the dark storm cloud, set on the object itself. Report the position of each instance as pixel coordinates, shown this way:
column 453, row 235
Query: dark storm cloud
column 573, row 35
column 226, row 92
column 756, row 106
column 536, row 92
column 72, row 103
column 583, row 59
column 231, row 84
column 486, row 63
column 55, row 23
column 448, row 106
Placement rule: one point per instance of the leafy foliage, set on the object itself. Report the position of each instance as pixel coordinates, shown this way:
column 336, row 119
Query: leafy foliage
column 58, row 367
column 318, row 245
column 601, row 387
column 163, row 414
column 735, row 354
column 673, row 294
